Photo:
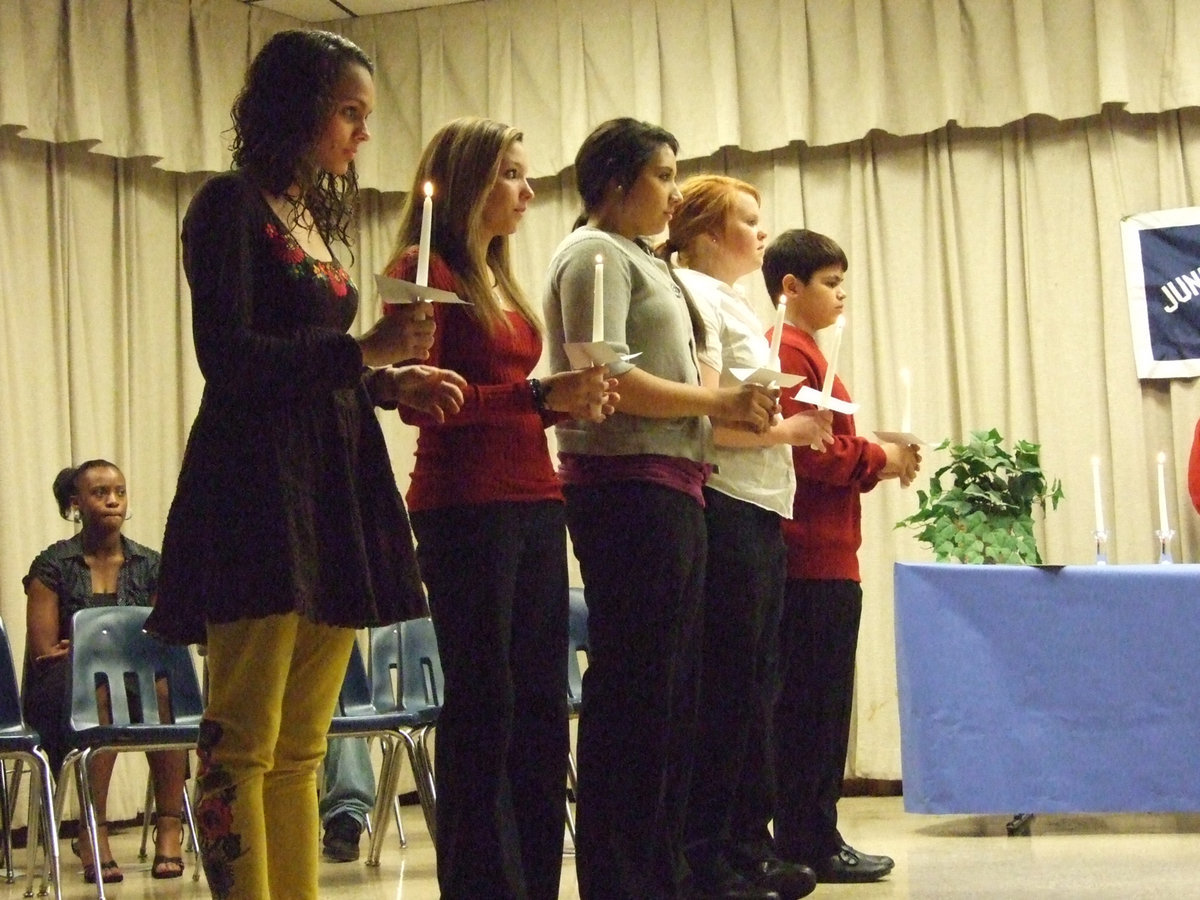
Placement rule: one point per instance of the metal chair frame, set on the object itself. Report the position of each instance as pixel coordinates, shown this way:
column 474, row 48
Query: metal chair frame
column 109, row 646
column 21, row 743
column 360, row 715
column 406, row 676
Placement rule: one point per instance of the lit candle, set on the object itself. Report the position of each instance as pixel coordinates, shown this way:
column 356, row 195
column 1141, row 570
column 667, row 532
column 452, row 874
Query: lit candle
column 905, row 401
column 426, row 229
column 1162, row 495
column 1096, row 500
column 598, row 300
column 777, row 333
column 834, row 346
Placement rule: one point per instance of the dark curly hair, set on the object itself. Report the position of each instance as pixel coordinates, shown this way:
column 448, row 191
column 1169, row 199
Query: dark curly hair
column 278, row 116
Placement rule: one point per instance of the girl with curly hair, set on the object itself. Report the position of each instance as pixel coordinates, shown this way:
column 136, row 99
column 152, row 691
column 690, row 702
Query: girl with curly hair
column 287, row 531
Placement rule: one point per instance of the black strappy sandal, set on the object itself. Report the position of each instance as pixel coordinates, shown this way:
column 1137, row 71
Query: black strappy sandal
column 167, row 866
column 110, row 871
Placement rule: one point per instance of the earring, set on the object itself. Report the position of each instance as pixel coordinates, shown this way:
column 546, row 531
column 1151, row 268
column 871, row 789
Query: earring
column 128, row 514
column 76, row 515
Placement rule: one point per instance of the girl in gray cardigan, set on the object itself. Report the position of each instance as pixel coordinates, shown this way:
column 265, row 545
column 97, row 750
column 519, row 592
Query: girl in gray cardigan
column 634, row 492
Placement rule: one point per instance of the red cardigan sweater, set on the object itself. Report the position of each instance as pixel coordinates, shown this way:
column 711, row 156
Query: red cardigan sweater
column 494, row 448
column 825, row 532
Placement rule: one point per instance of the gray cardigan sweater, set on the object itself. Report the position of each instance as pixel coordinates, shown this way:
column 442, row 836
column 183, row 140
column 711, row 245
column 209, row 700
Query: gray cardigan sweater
column 644, row 312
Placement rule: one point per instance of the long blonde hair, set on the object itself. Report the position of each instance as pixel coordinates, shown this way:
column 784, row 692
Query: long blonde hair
column 462, row 160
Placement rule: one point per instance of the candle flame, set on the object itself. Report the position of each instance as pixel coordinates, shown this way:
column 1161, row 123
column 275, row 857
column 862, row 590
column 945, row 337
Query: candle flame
column 429, row 189
column 1162, row 457
column 599, row 258
column 782, row 300
column 905, row 375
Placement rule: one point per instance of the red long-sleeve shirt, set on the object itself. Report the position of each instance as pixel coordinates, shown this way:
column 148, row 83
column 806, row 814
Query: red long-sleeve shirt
column 1194, row 469
column 494, row 448
column 825, row 532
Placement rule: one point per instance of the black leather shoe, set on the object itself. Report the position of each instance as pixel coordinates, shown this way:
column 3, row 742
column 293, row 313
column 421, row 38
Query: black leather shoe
column 789, row 880
column 881, row 860
column 717, row 880
column 340, row 843
column 848, row 866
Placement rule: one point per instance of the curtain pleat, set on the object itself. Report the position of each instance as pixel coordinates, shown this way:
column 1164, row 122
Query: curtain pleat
column 754, row 74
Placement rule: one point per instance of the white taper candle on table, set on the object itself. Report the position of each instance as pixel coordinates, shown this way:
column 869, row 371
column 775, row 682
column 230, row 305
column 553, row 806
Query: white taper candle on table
column 1162, row 495
column 1096, row 496
column 426, row 231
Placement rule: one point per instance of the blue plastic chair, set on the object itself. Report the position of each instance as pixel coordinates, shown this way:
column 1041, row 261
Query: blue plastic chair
column 358, row 715
column 577, row 642
column 21, row 743
column 110, row 646
column 406, row 677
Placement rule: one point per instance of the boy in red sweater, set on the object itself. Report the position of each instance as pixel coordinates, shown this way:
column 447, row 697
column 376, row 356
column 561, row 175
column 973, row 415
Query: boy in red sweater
column 823, row 597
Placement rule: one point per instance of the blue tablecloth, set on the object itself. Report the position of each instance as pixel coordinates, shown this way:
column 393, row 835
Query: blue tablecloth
column 1068, row 689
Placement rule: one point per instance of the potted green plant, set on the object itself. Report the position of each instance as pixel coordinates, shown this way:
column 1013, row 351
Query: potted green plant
column 979, row 506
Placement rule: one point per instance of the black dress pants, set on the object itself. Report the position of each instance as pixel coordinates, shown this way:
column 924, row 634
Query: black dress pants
column 497, row 580
column 817, row 646
column 641, row 550
column 732, row 797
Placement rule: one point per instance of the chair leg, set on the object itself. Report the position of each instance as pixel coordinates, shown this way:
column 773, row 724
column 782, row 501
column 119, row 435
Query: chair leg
column 399, row 820
column 395, row 799
column 32, row 831
column 17, row 772
column 146, row 816
column 41, row 810
column 387, row 778
column 422, row 763
column 194, row 835
column 66, row 777
column 6, row 820
column 370, row 823
column 573, row 785
column 88, row 811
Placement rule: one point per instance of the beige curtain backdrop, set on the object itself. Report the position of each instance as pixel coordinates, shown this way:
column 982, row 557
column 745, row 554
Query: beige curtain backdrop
column 974, row 158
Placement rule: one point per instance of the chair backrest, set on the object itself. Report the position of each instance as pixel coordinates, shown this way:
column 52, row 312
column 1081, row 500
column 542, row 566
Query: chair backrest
column 355, row 696
column 406, row 670
column 109, row 646
column 421, row 664
column 10, row 695
column 577, row 642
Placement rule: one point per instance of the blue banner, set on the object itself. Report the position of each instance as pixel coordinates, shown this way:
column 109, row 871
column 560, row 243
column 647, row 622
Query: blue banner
column 1162, row 278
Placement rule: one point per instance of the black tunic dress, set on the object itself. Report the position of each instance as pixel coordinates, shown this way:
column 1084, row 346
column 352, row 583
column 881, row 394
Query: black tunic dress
column 286, row 501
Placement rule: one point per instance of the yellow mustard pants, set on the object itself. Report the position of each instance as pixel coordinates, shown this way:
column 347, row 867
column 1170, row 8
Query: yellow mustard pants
column 273, row 684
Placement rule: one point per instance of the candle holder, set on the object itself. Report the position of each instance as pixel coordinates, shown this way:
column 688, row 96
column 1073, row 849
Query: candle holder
column 1101, row 547
column 1164, row 545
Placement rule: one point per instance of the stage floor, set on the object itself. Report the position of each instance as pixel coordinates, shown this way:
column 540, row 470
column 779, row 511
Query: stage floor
column 1067, row 856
